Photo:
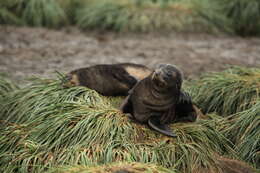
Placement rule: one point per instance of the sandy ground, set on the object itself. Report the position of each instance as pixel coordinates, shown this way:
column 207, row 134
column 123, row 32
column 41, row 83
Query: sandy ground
column 27, row 51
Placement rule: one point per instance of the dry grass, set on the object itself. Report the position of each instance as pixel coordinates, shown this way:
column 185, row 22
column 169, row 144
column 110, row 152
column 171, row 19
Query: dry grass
column 114, row 168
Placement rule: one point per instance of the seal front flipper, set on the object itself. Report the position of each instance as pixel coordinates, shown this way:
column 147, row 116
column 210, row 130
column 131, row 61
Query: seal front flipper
column 185, row 109
column 155, row 124
column 184, row 98
column 126, row 106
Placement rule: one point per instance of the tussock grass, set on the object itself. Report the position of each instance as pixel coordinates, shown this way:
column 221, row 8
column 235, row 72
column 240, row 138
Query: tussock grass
column 114, row 168
column 115, row 101
column 7, row 17
column 245, row 133
column 234, row 94
column 227, row 92
column 44, row 13
column 46, row 125
column 6, row 86
column 9, row 10
column 70, row 8
column 244, row 16
column 29, row 102
column 145, row 16
column 123, row 15
column 230, row 16
column 40, row 13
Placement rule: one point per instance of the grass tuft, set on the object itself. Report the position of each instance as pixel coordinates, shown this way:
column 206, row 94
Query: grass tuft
column 237, row 16
column 9, row 12
column 244, row 16
column 29, row 103
column 227, row 92
column 6, row 86
column 245, row 133
column 146, row 16
column 44, row 13
column 7, row 17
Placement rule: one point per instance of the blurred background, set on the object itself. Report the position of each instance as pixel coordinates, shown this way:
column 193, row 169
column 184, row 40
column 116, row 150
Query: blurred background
column 45, row 125
column 38, row 37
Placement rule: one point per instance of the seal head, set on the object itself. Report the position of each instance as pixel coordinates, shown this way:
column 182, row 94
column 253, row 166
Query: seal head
column 167, row 76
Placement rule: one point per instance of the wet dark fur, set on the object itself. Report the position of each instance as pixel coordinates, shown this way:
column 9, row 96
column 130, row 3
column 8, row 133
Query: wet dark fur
column 146, row 100
column 109, row 79
column 185, row 109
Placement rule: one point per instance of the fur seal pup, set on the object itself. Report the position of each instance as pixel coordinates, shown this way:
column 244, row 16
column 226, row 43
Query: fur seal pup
column 153, row 100
column 109, row 79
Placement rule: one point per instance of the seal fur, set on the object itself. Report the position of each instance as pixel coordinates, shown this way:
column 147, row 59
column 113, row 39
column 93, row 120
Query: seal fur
column 186, row 110
column 109, row 79
column 153, row 100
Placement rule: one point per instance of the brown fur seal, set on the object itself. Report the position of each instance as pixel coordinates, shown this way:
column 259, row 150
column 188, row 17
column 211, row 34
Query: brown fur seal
column 154, row 100
column 109, row 79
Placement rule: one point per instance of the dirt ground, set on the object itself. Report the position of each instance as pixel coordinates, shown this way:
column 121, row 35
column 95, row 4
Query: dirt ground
column 36, row 51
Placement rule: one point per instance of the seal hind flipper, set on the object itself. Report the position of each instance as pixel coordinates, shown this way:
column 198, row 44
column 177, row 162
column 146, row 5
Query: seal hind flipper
column 155, row 124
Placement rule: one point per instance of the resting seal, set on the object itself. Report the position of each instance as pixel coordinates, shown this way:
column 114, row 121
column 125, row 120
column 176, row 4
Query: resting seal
column 109, row 79
column 153, row 100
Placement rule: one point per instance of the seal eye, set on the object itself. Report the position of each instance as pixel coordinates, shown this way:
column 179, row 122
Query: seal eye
column 166, row 77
